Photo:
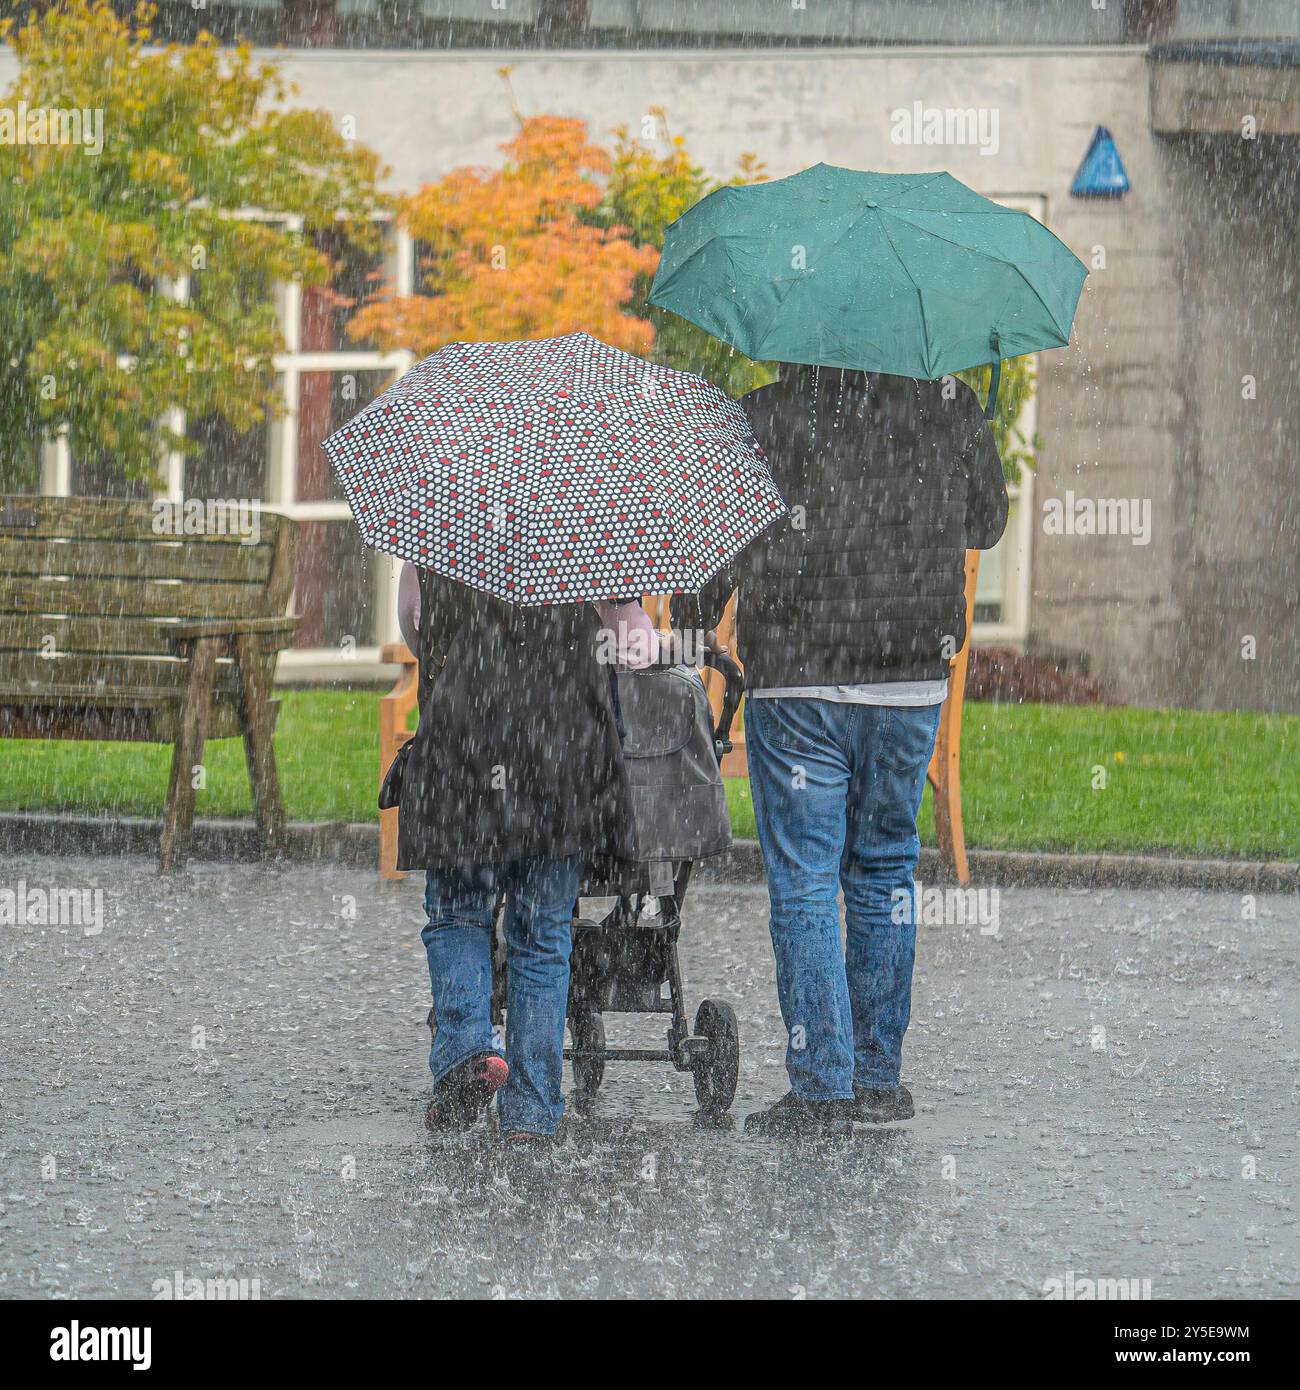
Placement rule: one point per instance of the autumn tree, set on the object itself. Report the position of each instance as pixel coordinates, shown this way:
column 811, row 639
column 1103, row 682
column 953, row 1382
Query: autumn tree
column 647, row 191
column 517, row 252
column 96, row 235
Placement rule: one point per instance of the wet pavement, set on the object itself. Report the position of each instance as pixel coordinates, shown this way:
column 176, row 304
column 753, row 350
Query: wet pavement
column 227, row 1082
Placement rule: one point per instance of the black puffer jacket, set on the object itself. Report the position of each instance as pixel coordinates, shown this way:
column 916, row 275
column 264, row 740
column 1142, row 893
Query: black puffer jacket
column 888, row 484
column 516, row 754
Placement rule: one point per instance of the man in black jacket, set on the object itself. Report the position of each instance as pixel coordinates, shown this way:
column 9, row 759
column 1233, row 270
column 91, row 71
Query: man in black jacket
column 848, row 614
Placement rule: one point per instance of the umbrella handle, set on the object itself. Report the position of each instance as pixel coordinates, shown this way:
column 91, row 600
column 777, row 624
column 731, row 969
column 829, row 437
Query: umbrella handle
column 994, row 381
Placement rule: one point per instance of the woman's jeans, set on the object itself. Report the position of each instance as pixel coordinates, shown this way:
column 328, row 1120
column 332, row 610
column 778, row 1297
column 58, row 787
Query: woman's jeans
column 836, row 792
column 461, row 904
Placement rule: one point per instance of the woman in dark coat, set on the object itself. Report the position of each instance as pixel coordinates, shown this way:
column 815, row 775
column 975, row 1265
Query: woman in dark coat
column 514, row 781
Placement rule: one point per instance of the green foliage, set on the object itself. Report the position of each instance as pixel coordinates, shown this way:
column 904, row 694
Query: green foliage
column 90, row 241
column 1014, row 391
column 646, row 192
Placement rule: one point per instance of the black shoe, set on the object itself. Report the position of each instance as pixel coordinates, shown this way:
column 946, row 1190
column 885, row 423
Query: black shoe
column 795, row 1118
column 875, row 1107
column 465, row 1093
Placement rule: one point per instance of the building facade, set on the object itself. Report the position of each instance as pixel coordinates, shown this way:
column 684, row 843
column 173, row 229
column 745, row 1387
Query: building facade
column 1155, row 542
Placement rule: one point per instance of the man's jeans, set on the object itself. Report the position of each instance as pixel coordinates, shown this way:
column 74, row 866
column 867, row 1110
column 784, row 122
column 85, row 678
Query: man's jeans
column 836, row 791
column 539, row 895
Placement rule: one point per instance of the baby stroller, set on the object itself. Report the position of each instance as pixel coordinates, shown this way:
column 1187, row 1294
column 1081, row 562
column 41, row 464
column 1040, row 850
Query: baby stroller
column 623, row 960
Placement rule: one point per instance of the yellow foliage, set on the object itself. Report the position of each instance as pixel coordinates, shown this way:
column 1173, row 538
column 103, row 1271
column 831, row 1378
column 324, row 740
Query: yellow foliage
column 517, row 252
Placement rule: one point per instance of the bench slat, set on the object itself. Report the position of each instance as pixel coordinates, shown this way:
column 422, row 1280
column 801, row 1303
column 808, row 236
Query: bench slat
column 134, row 559
column 28, row 632
column 24, row 674
column 131, row 598
column 95, row 518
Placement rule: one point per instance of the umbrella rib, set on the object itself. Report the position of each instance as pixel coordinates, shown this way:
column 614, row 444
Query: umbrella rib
column 680, row 266
column 653, row 297
column 905, row 192
column 748, row 316
column 708, row 240
column 805, row 280
column 920, row 298
column 995, row 211
column 1002, row 260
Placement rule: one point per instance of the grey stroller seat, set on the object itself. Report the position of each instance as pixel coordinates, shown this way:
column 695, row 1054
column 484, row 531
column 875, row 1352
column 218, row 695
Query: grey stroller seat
column 679, row 801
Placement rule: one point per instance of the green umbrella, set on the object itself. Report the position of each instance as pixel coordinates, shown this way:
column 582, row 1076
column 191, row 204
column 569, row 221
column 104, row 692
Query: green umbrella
column 911, row 274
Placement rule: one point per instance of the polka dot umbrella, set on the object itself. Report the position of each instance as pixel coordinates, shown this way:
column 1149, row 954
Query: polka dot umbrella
column 555, row 470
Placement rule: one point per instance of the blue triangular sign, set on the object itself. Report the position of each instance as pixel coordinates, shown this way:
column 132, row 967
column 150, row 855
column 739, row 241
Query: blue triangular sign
column 1101, row 175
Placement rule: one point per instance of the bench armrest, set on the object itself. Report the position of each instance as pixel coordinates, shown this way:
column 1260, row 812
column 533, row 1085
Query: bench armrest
column 397, row 654
column 400, row 700
column 275, row 632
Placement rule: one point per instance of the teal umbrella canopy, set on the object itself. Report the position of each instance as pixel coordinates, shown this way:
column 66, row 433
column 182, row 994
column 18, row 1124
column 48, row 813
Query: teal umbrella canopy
column 912, row 274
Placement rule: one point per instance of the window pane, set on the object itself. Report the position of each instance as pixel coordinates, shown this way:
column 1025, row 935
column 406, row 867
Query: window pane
column 21, row 471
column 228, row 464
column 487, row 24
column 326, row 401
column 96, row 474
column 334, row 586
column 358, row 276
column 997, row 570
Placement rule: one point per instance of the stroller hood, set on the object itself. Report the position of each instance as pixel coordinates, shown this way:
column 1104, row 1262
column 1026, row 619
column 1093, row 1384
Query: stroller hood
column 679, row 804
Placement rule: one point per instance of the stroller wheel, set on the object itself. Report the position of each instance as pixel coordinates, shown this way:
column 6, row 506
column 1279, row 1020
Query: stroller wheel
column 588, row 1029
column 717, row 1071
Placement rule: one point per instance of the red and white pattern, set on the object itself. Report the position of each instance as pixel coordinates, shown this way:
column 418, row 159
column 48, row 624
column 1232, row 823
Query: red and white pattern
column 555, row 471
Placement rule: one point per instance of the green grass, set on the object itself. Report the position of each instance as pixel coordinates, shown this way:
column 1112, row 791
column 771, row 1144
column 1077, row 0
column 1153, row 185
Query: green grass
column 1176, row 781
column 325, row 746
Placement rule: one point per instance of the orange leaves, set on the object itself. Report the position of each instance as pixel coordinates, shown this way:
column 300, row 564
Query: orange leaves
column 517, row 252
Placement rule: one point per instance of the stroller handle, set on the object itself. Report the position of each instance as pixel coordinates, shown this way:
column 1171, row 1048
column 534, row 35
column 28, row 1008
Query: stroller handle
column 735, row 689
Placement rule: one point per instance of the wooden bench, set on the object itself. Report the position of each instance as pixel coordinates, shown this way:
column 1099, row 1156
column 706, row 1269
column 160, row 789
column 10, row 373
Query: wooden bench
column 944, row 772
column 109, row 630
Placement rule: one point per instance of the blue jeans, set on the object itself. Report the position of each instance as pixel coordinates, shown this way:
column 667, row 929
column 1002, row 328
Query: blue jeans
column 461, row 903
column 836, row 791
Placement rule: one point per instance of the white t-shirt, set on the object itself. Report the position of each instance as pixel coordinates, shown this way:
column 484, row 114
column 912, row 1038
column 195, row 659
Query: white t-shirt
column 911, row 694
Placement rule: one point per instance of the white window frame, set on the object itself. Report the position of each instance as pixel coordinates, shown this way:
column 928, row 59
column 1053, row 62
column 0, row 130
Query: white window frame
column 1013, row 628
column 310, row 663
